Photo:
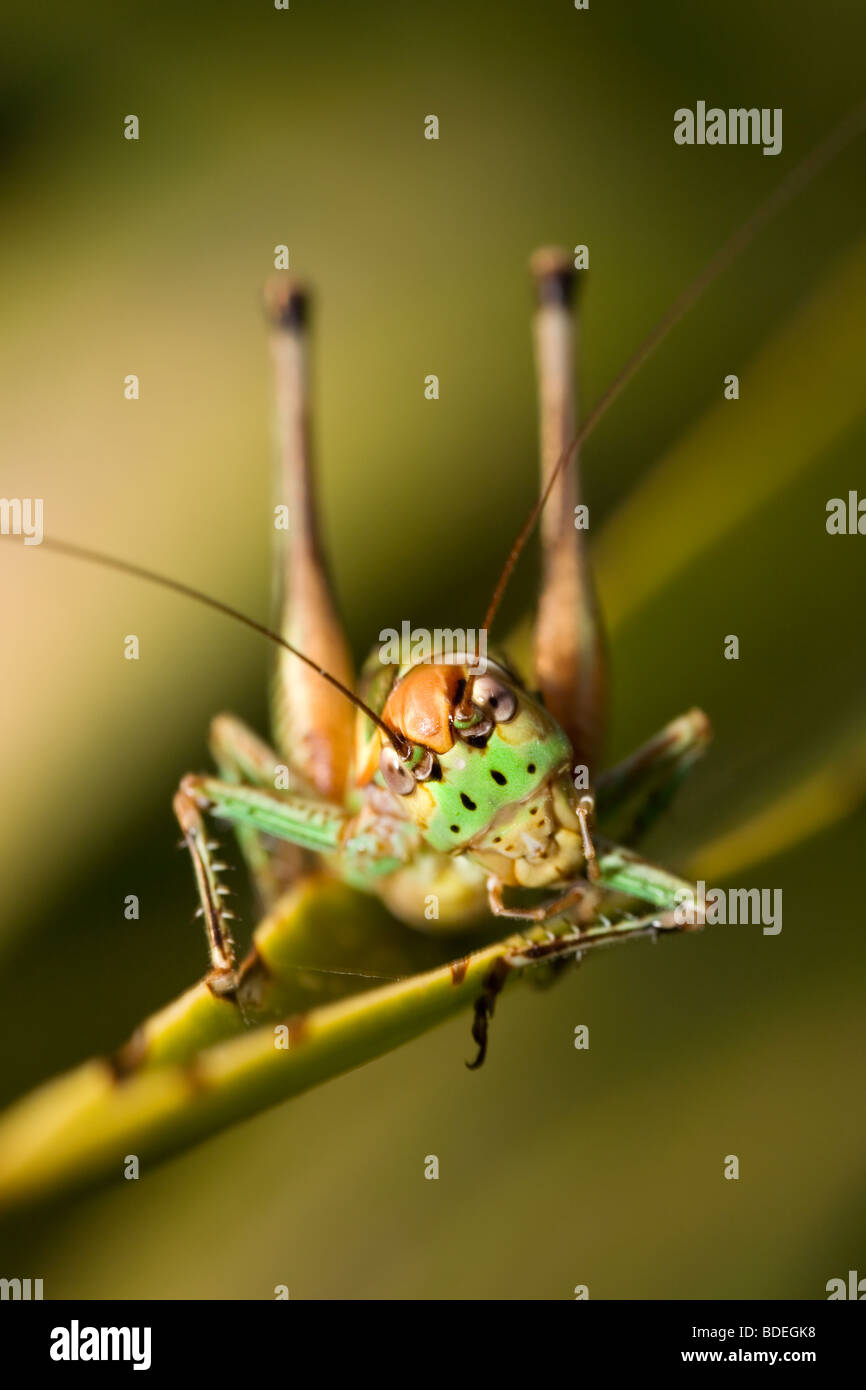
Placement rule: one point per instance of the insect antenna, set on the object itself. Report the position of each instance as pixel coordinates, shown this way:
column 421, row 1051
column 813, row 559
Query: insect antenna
column 799, row 178
column 95, row 557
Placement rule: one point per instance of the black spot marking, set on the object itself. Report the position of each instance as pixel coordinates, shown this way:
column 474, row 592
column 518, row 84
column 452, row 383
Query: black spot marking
column 499, row 777
column 496, row 839
column 455, row 829
column 531, row 767
column 468, row 802
column 475, row 740
column 533, row 810
column 435, row 772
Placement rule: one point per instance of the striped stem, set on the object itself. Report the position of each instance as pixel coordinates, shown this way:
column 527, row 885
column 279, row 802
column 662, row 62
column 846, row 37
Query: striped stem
column 80, row 1128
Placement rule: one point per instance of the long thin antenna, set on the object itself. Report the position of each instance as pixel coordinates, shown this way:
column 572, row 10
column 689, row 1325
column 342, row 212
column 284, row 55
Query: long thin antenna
column 799, row 177
column 95, row 557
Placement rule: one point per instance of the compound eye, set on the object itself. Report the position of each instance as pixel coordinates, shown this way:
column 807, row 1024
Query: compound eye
column 500, row 699
column 398, row 776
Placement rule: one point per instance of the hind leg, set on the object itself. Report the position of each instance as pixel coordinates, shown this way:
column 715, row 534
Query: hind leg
column 568, row 641
column 312, row 721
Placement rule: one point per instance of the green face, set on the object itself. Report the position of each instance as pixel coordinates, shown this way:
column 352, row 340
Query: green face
column 479, row 783
column 479, row 792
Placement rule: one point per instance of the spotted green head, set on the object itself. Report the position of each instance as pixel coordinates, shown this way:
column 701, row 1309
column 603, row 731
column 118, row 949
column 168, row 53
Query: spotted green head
column 485, row 771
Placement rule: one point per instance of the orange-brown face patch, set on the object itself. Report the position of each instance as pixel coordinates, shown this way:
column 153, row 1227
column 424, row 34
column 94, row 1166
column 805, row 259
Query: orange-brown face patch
column 419, row 707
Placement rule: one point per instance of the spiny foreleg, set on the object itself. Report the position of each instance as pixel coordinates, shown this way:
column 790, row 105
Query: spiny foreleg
column 300, row 820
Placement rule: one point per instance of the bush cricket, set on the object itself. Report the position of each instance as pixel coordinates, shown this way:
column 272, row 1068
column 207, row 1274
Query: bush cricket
column 451, row 787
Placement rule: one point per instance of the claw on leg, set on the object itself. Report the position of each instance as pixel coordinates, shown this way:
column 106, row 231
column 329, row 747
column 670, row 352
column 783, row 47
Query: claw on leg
column 484, row 1006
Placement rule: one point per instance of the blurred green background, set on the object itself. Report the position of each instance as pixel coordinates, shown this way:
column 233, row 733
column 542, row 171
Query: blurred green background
column 259, row 127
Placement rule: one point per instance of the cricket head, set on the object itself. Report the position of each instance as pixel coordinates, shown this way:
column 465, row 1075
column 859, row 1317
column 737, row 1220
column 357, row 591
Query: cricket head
column 485, row 770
